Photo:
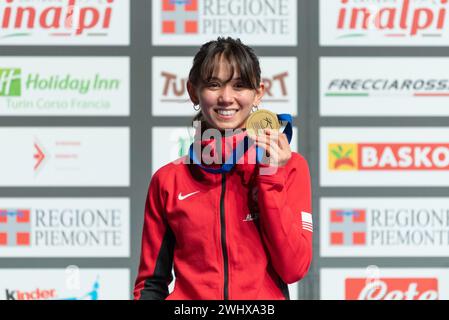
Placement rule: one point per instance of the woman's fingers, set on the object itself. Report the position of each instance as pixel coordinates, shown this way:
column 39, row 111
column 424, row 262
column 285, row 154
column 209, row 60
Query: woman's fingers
column 275, row 145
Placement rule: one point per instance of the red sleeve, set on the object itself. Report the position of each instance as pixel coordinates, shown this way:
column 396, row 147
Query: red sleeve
column 156, row 260
column 285, row 218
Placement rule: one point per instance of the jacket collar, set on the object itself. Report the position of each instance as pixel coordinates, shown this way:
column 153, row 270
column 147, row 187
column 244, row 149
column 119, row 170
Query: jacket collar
column 215, row 150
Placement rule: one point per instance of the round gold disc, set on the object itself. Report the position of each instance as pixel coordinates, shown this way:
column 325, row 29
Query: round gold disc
column 260, row 120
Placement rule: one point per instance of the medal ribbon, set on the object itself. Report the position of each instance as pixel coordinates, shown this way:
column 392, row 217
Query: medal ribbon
column 238, row 152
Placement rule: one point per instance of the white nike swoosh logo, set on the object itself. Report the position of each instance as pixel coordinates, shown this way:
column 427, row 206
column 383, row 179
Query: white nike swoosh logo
column 181, row 197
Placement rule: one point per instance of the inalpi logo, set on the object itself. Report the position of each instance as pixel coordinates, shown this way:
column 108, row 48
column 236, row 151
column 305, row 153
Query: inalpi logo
column 396, row 18
column 20, row 18
column 391, row 289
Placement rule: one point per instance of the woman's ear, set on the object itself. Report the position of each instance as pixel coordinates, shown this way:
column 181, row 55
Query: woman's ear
column 259, row 94
column 192, row 93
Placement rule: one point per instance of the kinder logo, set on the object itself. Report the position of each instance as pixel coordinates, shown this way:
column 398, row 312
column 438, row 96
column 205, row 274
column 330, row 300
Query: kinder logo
column 348, row 227
column 50, row 294
column 15, row 227
column 10, row 82
column 397, row 18
column 392, row 156
column 391, row 289
column 180, row 16
column 70, row 17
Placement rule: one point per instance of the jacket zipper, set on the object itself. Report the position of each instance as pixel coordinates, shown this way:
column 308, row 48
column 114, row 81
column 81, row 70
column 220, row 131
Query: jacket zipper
column 223, row 236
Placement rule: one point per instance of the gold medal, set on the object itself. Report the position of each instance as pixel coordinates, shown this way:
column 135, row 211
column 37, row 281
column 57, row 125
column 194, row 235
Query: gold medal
column 260, row 120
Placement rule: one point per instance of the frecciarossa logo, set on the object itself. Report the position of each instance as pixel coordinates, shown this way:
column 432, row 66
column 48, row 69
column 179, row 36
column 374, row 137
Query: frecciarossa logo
column 388, row 156
column 394, row 18
column 20, row 18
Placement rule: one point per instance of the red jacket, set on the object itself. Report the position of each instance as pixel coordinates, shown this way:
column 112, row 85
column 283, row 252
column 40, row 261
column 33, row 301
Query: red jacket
column 238, row 235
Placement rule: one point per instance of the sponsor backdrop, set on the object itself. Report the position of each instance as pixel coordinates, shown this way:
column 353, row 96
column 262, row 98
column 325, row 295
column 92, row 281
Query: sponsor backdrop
column 93, row 101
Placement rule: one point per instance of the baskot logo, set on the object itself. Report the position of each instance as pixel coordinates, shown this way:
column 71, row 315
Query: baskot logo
column 391, row 156
column 179, row 16
column 342, row 156
column 75, row 18
column 15, row 227
column 10, row 83
column 397, row 18
column 391, row 289
column 348, row 227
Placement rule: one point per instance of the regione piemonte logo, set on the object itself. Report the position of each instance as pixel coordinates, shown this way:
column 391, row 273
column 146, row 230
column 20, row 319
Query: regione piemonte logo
column 15, row 227
column 388, row 156
column 192, row 22
column 64, row 227
column 348, row 227
column 392, row 22
column 179, row 16
column 10, row 82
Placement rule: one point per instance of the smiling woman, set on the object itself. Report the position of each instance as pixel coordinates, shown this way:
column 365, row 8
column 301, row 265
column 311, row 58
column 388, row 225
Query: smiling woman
column 229, row 231
column 225, row 81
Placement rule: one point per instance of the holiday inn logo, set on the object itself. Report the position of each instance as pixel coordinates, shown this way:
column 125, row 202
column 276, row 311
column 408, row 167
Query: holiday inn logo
column 10, row 82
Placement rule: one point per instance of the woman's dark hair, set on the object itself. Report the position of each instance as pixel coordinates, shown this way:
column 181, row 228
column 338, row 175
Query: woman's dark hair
column 241, row 58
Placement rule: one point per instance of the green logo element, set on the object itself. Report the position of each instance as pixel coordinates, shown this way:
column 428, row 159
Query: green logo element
column 183, row 146
column 10, row 82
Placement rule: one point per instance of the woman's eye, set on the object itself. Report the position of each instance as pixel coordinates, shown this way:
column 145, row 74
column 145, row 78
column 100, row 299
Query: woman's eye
column 213, row 85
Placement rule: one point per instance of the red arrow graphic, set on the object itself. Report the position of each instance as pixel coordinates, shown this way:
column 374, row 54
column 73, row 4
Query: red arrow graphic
column 39, row 156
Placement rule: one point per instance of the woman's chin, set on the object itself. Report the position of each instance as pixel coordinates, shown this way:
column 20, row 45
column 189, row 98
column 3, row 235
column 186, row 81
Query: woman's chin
column 226, row 125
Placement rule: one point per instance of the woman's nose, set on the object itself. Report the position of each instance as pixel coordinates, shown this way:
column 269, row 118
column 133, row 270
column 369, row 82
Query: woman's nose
column 226, row 95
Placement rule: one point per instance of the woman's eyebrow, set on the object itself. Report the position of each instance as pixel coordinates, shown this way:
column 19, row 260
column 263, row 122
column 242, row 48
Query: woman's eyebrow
column 215, row 78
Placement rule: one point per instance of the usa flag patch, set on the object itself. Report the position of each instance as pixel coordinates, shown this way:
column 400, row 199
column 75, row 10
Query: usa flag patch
column 307, row 223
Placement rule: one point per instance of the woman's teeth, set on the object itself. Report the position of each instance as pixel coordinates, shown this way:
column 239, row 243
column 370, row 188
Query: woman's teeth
column 226, row 112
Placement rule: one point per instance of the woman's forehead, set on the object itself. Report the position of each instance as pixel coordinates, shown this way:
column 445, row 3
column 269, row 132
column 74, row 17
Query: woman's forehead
column 224, row 69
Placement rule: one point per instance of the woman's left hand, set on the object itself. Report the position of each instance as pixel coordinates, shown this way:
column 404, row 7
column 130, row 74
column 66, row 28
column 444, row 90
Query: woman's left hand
column 276, row 146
